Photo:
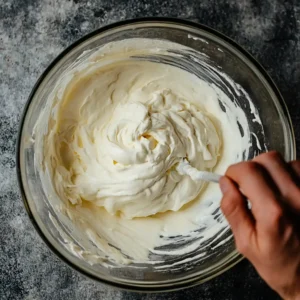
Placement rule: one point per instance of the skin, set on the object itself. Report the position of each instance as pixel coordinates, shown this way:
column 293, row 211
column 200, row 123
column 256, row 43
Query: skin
column 268, row 235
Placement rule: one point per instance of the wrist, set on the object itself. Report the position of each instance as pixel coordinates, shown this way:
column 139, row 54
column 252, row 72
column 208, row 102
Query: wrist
column 288, row 290
column 295, row 297
column 291, row 294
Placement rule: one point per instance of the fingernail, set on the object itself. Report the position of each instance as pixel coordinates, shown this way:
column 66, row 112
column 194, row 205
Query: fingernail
column 224, row 184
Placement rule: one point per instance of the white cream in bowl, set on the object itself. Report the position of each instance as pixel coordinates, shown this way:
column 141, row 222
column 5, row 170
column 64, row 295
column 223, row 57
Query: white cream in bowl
column 109, row 139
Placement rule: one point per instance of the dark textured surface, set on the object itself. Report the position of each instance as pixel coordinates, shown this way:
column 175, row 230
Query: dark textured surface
column 32, row 33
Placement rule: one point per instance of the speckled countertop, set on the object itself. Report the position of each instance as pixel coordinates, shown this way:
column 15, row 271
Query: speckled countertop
column 32, row 33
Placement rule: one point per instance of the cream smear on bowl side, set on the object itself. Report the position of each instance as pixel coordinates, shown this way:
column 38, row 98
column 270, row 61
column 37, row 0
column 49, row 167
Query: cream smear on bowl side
column 108, row 142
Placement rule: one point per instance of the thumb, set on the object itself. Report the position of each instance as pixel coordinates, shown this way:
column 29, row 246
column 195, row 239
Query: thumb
column 240, row 219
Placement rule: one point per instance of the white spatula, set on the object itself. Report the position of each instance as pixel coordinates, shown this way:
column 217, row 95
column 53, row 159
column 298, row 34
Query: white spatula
column 184, row 168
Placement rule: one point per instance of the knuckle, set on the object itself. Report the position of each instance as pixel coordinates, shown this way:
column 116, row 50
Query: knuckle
column 275, row 216
column 272, row 155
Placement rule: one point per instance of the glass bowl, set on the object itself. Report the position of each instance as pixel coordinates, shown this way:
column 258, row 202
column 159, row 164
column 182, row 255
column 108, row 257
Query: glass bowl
column 206, row 49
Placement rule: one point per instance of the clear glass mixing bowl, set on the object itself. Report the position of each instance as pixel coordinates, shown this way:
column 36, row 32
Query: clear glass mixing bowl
column 221, row 52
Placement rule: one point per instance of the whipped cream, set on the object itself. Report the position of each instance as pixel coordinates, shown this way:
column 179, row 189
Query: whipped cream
column 119, row 133
column 112, row 133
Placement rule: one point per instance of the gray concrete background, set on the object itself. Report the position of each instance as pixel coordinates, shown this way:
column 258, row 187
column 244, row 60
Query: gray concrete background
column 34, row 32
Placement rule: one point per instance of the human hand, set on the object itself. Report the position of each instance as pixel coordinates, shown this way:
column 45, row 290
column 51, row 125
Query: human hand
column 268, row 234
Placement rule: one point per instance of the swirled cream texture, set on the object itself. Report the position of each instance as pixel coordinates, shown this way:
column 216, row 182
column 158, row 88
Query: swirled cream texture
column 112, row 133
column 119, row 133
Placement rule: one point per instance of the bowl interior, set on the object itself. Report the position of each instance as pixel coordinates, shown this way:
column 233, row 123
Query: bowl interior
column 206, row 52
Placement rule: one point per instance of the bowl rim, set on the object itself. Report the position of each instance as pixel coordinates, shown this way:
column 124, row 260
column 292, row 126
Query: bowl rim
column 233, row 258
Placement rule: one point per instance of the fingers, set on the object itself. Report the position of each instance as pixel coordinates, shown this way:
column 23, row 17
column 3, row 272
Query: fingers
column 258, row 187
column 234, row 207
column 284, row 176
